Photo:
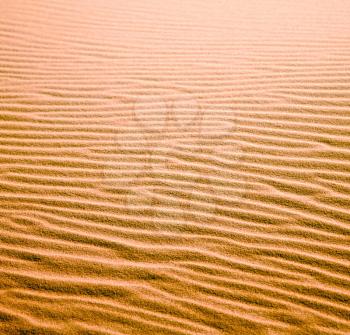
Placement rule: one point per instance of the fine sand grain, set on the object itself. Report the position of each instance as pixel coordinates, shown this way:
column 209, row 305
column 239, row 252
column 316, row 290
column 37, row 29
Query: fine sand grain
column 177, row 167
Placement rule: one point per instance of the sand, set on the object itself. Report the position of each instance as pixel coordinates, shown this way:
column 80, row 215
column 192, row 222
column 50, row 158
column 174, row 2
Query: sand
column 174, row 167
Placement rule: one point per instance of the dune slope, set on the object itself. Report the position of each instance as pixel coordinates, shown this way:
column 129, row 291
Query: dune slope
column 175, row 167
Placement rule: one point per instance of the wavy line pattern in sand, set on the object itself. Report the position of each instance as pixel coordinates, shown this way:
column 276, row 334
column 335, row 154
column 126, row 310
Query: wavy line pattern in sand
column 174, row 167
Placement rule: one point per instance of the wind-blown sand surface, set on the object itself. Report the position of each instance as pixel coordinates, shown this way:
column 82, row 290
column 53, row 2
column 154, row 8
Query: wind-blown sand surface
column 175, row 167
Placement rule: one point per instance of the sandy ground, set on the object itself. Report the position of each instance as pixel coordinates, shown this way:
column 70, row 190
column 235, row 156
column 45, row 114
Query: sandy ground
column 174, row 167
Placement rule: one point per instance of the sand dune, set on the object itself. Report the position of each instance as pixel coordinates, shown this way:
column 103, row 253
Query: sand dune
column 175, row 167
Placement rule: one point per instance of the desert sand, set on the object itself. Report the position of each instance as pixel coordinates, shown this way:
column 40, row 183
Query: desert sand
column 174, row 167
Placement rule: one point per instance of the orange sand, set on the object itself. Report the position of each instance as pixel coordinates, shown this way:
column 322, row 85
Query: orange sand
column 176, row 167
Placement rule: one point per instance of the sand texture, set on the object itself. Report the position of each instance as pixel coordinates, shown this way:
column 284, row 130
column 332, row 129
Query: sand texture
column 177, row 167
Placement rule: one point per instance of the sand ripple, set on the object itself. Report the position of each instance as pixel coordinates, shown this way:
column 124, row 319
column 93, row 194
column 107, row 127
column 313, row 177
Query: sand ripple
column 175, row 167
